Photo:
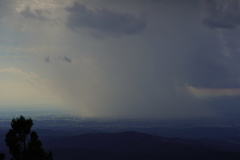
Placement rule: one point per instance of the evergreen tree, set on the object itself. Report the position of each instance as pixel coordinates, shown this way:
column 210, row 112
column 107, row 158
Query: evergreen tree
column 23, row 143
column 2, row 156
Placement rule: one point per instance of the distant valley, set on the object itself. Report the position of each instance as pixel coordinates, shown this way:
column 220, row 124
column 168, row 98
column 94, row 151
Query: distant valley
column 98, row 138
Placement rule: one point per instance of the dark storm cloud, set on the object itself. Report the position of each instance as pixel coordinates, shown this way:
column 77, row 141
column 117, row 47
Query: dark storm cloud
column 215, row 63
column 203, row 74
column 104, row 20
column 223, row 14
column 47, row 59
column 66, row 59
column 36, row 14
column 211, row 23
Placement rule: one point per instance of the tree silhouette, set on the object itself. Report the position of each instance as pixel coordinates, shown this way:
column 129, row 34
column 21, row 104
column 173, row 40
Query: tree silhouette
column 2, row 156
column 23, row 143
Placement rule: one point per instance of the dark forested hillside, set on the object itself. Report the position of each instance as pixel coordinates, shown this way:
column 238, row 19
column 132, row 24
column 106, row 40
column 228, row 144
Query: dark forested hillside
column 134, row 145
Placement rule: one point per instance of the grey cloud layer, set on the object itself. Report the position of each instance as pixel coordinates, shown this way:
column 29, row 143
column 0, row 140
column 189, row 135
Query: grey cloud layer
column 66, row 59
column 47, row 59
column 36, row 14
column 222, row 14
column 137, row 75
column 104, row 20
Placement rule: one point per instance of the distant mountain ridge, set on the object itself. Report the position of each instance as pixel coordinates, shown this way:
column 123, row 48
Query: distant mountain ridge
column 134, row 145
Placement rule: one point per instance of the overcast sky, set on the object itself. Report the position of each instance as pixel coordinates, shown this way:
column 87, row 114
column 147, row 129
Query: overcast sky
column 111, row 58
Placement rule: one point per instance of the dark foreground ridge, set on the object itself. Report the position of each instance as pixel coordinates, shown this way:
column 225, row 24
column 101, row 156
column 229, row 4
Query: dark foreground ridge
column 134, row 145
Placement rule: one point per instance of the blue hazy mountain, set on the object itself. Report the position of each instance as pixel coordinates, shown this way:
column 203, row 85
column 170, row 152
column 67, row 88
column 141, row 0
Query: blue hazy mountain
column 71, row 137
